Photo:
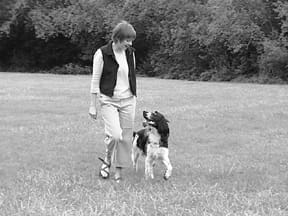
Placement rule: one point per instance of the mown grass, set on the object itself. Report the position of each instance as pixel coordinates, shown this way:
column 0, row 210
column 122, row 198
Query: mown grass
column 228, row 147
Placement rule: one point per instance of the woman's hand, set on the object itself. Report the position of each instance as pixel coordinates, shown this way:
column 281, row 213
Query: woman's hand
column 93, row 112
column 93, row 106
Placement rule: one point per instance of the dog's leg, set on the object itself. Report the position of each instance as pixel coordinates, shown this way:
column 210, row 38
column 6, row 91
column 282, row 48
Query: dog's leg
column 152, row 163
column 134, row 157
column 168, row 172
column 135, row 153
column 147, row 167
column 167, row 163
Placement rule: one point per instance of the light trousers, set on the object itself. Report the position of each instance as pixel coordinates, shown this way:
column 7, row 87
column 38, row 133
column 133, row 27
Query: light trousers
column 118, row 116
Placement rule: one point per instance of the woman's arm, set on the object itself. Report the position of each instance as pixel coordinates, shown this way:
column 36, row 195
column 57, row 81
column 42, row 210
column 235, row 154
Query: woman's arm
column 95, row 82
column 97, row 72
column 134, row 60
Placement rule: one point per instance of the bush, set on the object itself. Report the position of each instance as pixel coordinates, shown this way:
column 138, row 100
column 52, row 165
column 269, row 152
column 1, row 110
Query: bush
column 274, row 61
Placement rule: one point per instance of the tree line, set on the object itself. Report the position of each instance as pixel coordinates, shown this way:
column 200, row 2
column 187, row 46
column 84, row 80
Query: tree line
column 207, row 40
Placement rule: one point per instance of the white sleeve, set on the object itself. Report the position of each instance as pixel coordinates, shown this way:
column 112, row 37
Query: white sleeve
column 97, row 72
column 134, row 60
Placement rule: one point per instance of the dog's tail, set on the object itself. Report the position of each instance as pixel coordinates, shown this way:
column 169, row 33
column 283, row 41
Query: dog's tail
column 134, row 133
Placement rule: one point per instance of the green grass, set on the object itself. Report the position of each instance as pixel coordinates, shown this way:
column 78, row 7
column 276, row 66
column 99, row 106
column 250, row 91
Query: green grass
column 228, row 147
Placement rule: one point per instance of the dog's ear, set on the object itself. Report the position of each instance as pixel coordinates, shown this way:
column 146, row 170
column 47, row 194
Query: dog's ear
column 161, row 116
column 163, row 127
column 134, row 133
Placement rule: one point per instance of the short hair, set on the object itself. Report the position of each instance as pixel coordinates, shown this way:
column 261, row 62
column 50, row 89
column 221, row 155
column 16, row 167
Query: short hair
column 122, row 31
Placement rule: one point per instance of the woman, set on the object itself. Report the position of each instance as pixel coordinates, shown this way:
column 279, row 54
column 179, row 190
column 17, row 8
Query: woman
column 114, row 85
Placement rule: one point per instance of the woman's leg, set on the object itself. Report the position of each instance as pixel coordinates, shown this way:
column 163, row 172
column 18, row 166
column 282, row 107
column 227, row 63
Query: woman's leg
column 118, row 118
column 113, row 131
column 126, row 117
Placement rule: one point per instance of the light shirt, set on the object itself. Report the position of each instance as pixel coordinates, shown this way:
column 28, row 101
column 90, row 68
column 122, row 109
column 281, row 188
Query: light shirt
column 122, row 88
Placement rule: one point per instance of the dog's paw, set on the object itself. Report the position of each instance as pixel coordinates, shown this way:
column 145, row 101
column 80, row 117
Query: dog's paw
column 167, row 175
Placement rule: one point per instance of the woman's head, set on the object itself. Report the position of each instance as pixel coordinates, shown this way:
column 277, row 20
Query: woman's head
column 123, row 31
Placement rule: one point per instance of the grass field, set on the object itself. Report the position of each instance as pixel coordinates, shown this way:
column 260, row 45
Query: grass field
column 228, row 147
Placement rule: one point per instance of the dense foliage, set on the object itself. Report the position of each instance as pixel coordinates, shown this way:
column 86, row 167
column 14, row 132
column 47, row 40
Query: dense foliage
column 219, row 40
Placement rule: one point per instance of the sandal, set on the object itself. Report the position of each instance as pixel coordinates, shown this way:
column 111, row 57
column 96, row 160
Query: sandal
column 105, row 169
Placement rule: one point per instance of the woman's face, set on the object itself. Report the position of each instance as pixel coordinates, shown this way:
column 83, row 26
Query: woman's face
column 123, row 45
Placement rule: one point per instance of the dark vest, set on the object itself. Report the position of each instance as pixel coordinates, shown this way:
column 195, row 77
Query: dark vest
column 109, row 74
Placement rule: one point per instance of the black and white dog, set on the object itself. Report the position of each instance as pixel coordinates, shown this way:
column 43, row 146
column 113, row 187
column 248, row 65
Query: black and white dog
column 152, row 142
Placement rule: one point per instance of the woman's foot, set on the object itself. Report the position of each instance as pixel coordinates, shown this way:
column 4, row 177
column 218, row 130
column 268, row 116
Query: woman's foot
column 105, row 169
column 118, row 174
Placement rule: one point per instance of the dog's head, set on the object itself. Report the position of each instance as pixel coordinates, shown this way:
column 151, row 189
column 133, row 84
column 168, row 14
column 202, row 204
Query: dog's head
column 157, row 120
